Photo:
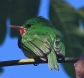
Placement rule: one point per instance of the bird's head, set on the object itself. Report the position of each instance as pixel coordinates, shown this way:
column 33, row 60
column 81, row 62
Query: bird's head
column 33, row 23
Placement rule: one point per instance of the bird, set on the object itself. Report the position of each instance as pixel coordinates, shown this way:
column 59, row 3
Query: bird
column 39, row 38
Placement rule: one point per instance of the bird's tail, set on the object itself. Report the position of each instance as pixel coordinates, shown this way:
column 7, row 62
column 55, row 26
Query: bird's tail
column 52, row 61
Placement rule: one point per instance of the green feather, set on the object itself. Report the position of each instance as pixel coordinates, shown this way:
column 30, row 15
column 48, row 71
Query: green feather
column 52, row 60
column 41, row 39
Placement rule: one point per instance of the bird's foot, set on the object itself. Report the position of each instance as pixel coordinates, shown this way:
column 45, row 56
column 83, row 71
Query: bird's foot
column 36, row 61
column 36, row 64
column 60, row 57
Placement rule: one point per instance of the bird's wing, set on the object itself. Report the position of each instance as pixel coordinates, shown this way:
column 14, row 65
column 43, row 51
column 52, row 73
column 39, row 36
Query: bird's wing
column 59, row 47
column 38, row 44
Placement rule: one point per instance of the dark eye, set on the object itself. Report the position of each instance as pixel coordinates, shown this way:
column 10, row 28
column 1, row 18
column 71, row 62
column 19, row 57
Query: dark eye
column 28, row 25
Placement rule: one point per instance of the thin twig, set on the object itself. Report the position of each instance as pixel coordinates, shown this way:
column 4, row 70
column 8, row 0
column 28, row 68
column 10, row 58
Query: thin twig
column 32, row 61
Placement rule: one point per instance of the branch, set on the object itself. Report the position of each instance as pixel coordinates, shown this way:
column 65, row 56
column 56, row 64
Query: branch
column 32, row 61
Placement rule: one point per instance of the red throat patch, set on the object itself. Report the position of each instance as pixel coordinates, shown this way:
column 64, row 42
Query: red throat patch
column 22, row 31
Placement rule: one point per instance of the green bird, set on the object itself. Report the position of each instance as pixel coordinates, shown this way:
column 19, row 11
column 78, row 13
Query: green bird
column 40, row 39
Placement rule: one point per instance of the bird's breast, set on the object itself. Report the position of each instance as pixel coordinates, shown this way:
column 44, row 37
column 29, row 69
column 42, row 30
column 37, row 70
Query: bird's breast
column 28, row 54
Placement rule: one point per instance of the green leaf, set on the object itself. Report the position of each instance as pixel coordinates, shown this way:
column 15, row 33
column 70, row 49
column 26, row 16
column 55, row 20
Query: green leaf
column 22, row 10
column 1, row 71
column 4, row 5
column 80, row 13
column 65, row 19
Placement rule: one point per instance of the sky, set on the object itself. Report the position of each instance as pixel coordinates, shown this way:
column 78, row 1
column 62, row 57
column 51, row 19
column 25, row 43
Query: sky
column 10, row 51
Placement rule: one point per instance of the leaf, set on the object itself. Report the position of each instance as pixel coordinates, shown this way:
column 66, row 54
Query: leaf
column 1, row 70
column 81, row 14
column 4, row 5
column 65, row 19
column 22, row 10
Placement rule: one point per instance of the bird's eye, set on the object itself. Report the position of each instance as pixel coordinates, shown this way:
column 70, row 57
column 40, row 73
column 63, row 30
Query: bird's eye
column 28, row 25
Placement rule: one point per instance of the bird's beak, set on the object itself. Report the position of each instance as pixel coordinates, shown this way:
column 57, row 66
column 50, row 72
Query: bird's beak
column 16, row 27
column 20, row 28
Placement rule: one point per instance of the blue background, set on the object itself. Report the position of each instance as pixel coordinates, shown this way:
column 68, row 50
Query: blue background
column 10, row 51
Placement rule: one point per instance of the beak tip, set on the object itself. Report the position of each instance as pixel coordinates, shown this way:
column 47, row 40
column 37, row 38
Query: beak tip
column 15, row 27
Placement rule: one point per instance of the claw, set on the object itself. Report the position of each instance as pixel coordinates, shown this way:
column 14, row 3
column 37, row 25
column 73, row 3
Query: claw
column 36, row 64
